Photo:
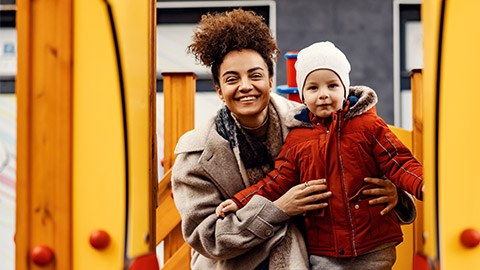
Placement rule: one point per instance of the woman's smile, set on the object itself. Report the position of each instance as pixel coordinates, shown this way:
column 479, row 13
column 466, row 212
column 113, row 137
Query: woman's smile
column 247, row 99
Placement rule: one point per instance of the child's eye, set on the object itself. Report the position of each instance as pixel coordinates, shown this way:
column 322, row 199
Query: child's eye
column 333, row 85
column 312, row 87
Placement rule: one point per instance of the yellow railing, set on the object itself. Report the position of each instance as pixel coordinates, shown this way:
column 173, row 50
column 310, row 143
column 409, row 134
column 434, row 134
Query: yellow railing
column 179, row 95
column 412, row 233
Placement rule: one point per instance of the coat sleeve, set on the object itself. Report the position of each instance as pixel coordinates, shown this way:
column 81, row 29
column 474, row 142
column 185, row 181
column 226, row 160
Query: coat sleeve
column 196, row 197
column 277, row 182
column 406, row 209
column 396, row 161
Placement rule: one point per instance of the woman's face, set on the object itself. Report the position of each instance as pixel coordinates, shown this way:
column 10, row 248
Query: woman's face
column 245, row 86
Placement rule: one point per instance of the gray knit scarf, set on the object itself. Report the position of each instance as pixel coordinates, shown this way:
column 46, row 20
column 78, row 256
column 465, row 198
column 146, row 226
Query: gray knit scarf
column 258, row 160
column 257, row 157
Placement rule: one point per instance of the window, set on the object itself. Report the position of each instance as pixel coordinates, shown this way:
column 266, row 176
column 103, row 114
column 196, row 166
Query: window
column 408, row 55
column 175, row 24
column 8, row 48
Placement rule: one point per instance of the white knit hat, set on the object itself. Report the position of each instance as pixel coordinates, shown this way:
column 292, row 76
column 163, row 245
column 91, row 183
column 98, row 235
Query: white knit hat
column 322, row 55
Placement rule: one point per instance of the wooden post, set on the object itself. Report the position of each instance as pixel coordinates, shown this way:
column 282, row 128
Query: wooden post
column 153, row 156
column 179, row 94
column 44, row 132
column 417, row 113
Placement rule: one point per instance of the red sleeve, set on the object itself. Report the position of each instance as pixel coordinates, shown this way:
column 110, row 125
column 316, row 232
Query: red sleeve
column 277, row 182
column 397, row 162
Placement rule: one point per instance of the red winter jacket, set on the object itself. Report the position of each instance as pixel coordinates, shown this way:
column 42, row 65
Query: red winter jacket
column 355, row 144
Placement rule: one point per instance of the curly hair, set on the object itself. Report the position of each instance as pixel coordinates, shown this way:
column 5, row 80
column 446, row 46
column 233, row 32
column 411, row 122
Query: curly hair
column 220, row 33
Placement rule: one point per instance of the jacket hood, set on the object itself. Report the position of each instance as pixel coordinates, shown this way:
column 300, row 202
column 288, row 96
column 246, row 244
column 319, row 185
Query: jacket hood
column 367, row 98
column 361, row 98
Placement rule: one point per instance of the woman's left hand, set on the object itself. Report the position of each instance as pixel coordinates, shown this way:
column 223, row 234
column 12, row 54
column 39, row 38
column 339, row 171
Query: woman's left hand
column 387, row 192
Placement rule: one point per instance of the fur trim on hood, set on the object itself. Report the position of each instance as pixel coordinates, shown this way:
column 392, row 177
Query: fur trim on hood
column 367, row 98
column 362, row 98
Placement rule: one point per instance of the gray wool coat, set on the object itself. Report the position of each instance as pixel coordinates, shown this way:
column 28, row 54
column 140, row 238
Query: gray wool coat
column 206, row 173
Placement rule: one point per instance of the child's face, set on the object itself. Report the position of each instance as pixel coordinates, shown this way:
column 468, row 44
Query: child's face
column 323, row 92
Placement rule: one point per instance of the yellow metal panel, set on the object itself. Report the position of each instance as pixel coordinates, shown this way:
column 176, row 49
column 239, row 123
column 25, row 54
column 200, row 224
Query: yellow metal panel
column 404, row 135
column 405, row 249
column 431, row 21
column 458, row 148
column 99, row 188
column 98, row 171
column 132, row 18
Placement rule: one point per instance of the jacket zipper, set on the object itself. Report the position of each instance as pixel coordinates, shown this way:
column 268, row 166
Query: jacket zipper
column 344, row 187
column 328, row 130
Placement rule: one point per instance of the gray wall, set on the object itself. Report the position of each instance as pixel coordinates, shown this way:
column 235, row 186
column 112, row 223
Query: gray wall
column 362, row 29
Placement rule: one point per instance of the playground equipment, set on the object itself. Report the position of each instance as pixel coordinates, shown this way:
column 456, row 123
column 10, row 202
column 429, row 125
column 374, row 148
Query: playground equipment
column 291, row 88
column 450, row 144
column 85, row 156
column 179, row 94
column 79, row 206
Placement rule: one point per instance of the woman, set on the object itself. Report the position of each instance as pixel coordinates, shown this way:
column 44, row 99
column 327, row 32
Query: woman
column 236, row 148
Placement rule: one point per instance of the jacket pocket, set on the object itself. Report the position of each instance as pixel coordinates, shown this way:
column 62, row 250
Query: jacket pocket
column 386, row 226
column 320, row 234
column 359, row 196
column 363, row 221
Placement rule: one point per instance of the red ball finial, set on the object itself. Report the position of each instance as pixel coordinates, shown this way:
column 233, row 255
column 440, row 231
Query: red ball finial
column 470, row 238
column 99, row 239
column 41, row 255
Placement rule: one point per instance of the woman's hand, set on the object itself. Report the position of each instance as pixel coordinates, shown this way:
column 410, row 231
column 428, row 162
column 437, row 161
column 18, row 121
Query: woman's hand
column 304, row 197
column 387, row 192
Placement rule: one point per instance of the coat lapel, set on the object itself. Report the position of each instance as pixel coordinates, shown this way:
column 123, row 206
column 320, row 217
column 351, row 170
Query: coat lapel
column 217, row 160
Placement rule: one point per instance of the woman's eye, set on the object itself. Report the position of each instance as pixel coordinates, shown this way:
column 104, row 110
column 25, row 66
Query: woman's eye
column 257, row 76
column 231, row 79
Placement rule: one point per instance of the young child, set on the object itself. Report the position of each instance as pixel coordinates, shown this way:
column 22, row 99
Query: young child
column 341, row 140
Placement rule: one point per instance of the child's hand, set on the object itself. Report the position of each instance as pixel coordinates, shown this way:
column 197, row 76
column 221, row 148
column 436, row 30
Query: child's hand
column 225, row 207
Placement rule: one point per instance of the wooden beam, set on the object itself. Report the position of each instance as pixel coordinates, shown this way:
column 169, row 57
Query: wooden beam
column 181, row 259
column 152, row 31
column 167, row 214
column 179, row 94
column 417, row 114
column 44, row 142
